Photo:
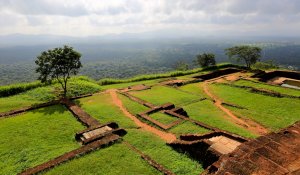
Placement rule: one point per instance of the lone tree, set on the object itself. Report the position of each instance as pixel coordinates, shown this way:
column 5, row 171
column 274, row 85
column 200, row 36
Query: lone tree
column 249, row 54
column 206, row 59
column 60, row 64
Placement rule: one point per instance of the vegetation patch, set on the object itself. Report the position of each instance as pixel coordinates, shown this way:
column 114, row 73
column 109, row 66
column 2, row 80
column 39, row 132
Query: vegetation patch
column 131, row 106
column 271, row 112
column 101, row 107
column 205, row 111
column 156, row 148
column 36, row 137
column 159, row 95
column 112, row 160
column 194, row 88
column 108, row 81
column 77, row 86
column 260, row 85
column 29, row 98
column 188, row 128
column 163, row 118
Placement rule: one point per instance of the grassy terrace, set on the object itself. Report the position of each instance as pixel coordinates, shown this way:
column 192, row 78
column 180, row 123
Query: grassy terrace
column 163, row 118
column 77, row 86
column 112, row 160
column 206, row 112
column 194, row 88
column 124, row 85
column 28, row 98
column 156, row 148
column 261, row 85
column 185, row 127
column 188, row 128
column 272, row 112
column 161, row 94
column 35, row 137
column 101, row 107
column 144, row 141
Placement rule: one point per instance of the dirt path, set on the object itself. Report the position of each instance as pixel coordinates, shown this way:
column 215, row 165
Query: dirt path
column 249, row 124
column 168, row 137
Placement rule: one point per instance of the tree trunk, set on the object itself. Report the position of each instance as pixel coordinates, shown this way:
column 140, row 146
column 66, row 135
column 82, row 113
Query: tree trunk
column 65, row 88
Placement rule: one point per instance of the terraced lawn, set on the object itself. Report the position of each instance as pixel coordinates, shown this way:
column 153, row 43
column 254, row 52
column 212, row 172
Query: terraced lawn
column 125, row 85
column 35, row 137
column 115, row 159
column 26, row 99
column 157, row 149
column 274, row 113
column 205, row 111
column 163, row 118
column 188, row 128
column 279, row 89
column 159, row 95
column 101, row 107
column 194, row 88
column 131, row 106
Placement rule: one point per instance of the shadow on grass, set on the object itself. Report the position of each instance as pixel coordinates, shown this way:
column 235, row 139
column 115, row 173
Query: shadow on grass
column 50, row 110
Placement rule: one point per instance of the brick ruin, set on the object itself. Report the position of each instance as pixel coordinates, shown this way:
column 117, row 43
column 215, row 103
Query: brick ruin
column 207, row 148
column 217, row 73
column 266, row 76
column 274, row 153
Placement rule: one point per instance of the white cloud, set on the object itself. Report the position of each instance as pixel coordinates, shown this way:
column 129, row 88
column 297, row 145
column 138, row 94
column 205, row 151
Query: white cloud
column 94, row 17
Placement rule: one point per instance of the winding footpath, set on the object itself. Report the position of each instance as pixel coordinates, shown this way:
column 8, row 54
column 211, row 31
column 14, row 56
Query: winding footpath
column 168, row 137
column 249, row 124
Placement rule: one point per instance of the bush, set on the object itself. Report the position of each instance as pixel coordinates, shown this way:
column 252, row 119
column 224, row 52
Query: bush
column 18, row 88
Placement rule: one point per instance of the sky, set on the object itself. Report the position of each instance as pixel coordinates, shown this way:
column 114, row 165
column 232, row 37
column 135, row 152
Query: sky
column 195, row 17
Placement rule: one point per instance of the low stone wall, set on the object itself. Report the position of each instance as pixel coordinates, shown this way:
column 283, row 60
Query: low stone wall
column 81, row 115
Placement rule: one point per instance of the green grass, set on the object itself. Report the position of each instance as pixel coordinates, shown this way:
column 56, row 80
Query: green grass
column 194, row 88
column 159, row 95
column 260, row 85
column 156, row 148
column 188, row 128
column 124, row 85
column 115, row 159
column 28, row 98
column 76, row 86
column 36, row 137
column 132, row 106
column 101, row 107
column 163, row 118
column 205, row 111
column 108, row 81
column 274, row 113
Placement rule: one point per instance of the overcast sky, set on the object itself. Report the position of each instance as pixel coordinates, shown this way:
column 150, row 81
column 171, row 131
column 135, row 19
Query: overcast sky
column 199, row 17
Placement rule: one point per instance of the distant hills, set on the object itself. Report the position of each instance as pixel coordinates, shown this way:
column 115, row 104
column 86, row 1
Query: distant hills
column 125, row 55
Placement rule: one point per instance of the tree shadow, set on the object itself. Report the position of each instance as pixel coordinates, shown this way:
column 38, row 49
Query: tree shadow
column 57, row 108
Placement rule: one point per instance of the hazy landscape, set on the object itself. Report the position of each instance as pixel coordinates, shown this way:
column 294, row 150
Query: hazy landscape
column 162, row 87
column 123, row 56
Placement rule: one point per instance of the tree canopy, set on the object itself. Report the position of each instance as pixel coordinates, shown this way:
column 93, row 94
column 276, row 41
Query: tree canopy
column 58, row 63
column 249, row 54
column 206, row 59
